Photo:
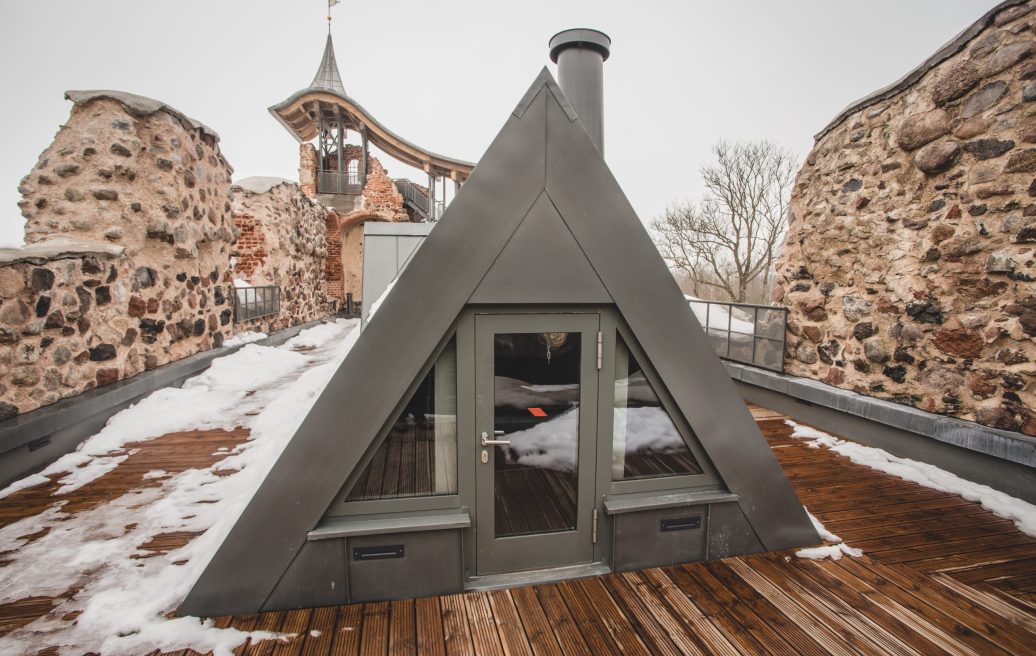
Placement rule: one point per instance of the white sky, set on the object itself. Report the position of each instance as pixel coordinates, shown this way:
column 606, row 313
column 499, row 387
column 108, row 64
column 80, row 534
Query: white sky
column 445, row 75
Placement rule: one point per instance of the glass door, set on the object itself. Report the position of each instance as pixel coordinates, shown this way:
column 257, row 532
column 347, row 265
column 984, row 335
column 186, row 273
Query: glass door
column 536, row 433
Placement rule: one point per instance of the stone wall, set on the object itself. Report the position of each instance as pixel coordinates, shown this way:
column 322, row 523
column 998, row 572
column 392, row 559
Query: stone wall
column 281, row 241
column 909, row 263
column 129, row 235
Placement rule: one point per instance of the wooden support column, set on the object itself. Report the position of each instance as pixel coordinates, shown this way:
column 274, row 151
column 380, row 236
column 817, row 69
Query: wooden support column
column 321, row 163
column 341, row 147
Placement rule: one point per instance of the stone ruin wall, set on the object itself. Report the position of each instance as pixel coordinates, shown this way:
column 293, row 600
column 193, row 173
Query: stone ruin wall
column 910, row 260
column 281, row 241
column 128, row 262
column 380, row 201
column 143, row 192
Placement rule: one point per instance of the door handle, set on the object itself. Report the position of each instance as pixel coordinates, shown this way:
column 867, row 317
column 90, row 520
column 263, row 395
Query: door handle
column 486, row 441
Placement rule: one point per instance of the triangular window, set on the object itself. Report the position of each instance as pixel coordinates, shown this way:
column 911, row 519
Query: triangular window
column 646, row 442
column 418, row 457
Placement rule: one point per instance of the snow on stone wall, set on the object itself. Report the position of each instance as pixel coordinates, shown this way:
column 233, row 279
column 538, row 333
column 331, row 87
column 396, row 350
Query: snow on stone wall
column 281, row 241
column 909, row 265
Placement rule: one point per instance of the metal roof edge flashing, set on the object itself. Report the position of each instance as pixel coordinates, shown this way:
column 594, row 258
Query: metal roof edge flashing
column 1006, row 445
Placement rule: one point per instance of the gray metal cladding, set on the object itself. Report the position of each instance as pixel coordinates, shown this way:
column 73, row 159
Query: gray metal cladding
column 544, row 170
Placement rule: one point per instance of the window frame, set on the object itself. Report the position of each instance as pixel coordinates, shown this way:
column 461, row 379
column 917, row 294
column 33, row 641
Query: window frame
column 612, row 328
column 341, row 507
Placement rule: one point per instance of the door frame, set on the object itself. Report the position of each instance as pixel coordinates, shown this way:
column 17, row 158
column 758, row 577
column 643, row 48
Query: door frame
column 537, row 551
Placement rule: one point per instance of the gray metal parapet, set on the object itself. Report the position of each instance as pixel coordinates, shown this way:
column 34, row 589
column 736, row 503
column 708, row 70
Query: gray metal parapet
column 1001, row 459
column 33, row 440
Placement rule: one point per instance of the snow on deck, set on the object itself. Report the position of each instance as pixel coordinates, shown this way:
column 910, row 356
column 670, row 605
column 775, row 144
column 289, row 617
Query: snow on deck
column 96, row 552
column 113, row 561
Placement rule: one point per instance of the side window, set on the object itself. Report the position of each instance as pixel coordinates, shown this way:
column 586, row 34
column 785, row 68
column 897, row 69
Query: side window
column 418, row 457
column 645, row 441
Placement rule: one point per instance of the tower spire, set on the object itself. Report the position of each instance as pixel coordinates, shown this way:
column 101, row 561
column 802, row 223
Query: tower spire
column 327, row 76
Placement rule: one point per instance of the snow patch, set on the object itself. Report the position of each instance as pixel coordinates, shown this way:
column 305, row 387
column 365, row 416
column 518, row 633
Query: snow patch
column 246, row 337
column 832, row 551
column 122, row 601
column 27, row 482
column 1022, row 513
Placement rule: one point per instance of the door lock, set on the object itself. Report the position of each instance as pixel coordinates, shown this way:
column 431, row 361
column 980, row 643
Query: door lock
column 486, row 441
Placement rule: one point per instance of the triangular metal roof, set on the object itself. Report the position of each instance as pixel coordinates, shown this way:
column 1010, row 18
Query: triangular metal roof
column 542, row 167
column 327, row 76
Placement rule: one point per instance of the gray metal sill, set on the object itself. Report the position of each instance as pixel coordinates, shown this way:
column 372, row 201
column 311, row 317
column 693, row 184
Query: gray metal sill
column 624, row 504
column 346, row 527
column 534, row 577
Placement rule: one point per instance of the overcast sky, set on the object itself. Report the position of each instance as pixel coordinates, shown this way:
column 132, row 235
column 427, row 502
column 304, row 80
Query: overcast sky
column 445, row 75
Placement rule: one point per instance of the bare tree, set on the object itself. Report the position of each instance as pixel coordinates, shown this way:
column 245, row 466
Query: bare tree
column 726, row 243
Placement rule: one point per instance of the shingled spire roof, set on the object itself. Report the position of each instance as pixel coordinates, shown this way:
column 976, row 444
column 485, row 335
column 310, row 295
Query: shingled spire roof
column 327, row 76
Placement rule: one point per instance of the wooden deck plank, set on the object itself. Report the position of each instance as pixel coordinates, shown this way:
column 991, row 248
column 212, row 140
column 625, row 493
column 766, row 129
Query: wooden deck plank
column 913, row 633
column 779, row 623
column 940, row 575
column 428, row 616
column 402, row 627
column 375, row 637
column 969, row 619
column 321, row 631
column 265, row 622
column 740, row 623
column 484, row 635
column 590, row 623
column 565, row 626
column 663, row 614
column 647, row 627
column 593, row 592
column 513, row 637
column 836, row 619
column 295, row 625
column 456, row 634
column 795, row 611
column 542, row 639
column 715, row 640
column 348, row 631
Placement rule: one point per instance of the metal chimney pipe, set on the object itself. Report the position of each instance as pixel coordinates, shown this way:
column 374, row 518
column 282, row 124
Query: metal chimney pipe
column 580, row 54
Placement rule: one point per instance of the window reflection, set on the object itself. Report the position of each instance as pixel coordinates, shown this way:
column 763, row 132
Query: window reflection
column 646, row 443
column 536, row 407
column 419, row 455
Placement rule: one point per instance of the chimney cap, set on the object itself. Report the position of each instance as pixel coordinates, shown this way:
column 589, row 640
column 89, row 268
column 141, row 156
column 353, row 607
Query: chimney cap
column 582, row 37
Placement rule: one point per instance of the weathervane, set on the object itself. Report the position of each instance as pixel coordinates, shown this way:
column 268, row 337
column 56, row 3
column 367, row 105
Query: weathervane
column 330, row 3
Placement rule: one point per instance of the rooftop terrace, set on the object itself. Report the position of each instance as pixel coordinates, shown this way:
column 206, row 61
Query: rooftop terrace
column 939, row 574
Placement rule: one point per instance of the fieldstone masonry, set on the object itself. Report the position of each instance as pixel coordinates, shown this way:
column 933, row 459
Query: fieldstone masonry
column 909, row 265
column 130, row 233
column 281, row 241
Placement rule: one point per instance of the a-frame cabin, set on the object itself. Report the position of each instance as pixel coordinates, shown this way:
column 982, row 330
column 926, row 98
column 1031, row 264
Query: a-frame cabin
column 534, row 399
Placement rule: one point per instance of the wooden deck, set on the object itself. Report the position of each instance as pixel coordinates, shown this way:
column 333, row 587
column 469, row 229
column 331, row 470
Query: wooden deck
column 940, row 575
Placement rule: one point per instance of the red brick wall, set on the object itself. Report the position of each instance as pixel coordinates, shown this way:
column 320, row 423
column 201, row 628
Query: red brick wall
column 333, row 264
column 250, row 249
column 380, row 194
